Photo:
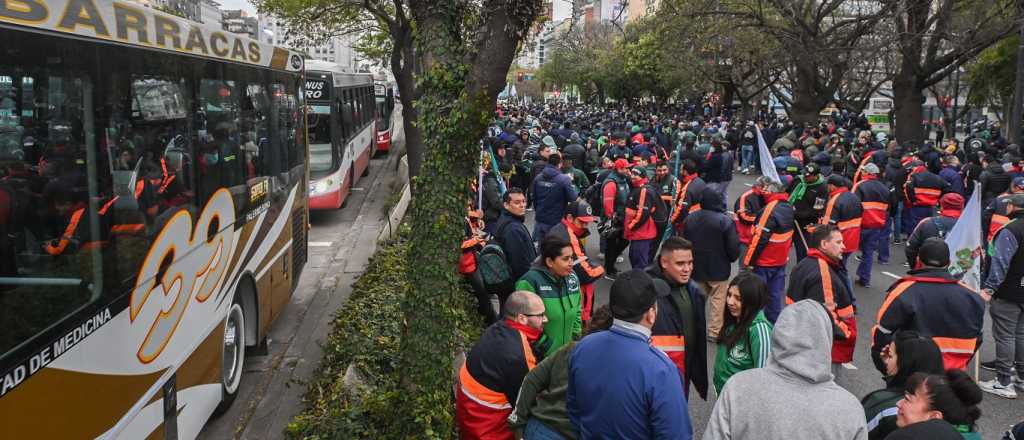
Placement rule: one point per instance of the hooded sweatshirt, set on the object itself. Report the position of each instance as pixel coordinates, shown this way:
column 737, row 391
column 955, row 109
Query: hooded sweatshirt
column 793, row 397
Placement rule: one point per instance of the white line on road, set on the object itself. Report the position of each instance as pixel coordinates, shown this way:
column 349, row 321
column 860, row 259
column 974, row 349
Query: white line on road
column 891, row 275
column 320, row 244
column 749, row 184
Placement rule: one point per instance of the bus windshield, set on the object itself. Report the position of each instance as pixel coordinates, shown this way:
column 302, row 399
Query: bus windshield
column 322, row 160
column 383, row 113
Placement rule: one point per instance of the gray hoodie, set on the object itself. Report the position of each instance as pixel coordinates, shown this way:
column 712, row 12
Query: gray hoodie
column 793, row 396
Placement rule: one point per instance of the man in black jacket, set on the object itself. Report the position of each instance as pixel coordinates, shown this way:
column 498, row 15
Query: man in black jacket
column 716, row 246
column 809, row 195
column 512, row 234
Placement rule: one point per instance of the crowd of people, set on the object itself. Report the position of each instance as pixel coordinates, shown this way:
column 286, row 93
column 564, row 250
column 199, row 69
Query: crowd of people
column 766, row 287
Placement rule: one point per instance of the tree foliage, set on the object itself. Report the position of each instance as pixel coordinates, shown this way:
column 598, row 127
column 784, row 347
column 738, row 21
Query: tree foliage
column 991, row 76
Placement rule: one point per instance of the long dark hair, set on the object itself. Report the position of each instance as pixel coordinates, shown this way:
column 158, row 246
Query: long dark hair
column 914, row 354
column 954, row 394
column 754, row 294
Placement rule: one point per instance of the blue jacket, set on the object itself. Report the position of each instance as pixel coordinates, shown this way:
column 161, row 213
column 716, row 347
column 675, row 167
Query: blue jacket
column 517, row 243
column 952, row 176
column 622, row 387
column 552, row 192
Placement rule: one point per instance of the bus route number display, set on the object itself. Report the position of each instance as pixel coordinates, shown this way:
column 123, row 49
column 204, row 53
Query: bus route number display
column 317, row 89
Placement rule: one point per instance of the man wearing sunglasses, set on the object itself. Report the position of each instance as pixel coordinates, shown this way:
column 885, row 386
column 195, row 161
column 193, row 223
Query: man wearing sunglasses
column 490, row 378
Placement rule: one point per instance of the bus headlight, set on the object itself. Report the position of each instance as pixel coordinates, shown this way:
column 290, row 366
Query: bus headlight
column 318, row 187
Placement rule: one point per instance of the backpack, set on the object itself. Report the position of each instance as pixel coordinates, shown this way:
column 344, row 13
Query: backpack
column 938, row 225
column 660, row 213
column 492, row 265
column 594, row 196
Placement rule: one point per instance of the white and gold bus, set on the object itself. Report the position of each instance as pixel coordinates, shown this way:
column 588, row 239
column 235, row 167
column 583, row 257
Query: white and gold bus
column 152, row 216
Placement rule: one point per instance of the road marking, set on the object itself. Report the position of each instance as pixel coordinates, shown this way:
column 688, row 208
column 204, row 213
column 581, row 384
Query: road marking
column 891, row 275
column 320, row 244
column 749, row 184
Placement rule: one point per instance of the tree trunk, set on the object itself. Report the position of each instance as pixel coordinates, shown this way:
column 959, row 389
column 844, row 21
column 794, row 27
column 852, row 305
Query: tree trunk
column 807, row 102
column 907, row 99
column 460, row 84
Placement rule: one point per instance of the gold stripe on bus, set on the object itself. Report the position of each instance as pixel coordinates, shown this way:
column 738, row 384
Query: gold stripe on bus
column 69, row 404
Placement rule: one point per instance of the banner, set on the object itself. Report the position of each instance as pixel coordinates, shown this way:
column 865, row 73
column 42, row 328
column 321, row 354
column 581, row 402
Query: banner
column 767, row 166
column 965, row 243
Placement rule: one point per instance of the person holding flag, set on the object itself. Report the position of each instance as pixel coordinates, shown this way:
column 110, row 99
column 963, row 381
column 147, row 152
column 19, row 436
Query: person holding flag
column 769, row 247
column 1005, row 287
column 934, row 303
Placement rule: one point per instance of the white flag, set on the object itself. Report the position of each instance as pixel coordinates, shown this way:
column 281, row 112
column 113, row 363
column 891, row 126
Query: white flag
column 965, row 243
column 767, row 166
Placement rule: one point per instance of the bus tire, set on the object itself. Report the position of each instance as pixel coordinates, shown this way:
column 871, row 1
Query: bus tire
column 232, row 354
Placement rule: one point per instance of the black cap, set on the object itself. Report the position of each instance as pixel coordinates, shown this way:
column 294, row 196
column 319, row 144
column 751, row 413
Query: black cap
column 1017, row 200
column 581, row 210
column 934, row 252
column 633, row 293
column 812, row 168
column 837, row 180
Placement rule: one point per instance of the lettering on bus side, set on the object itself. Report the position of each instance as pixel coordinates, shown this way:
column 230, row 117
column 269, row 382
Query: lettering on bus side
column 124, row 22
column 193, row 258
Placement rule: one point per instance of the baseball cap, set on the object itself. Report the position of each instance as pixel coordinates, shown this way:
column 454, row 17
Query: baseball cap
column 952, row 201
column 1017, row 200
column 1018, row 182
column 870, row 168
column 812, row 168
column 549, row 141
column 581, row 210
column 621, row 164
column 934, row 252
column 633, row 293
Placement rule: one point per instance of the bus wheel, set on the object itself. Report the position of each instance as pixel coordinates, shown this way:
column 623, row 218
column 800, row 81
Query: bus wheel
column 232, row 354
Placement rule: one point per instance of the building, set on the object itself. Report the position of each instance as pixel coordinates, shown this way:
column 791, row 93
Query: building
column 639, row 9
column 335, row 50
column 189, row 9
column 238, row 21
column 209, row 13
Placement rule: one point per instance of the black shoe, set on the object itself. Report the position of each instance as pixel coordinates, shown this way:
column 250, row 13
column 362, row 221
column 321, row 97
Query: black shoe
column 897, row 241
column 859, row 257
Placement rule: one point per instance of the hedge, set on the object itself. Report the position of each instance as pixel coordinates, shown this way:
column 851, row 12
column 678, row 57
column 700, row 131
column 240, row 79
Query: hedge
column 366, row 333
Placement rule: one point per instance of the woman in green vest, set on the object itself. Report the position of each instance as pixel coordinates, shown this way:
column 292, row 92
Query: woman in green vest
column 551, row 277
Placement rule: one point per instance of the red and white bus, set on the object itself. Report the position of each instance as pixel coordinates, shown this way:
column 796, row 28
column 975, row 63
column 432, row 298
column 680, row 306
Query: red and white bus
column 341, row 115
column 384, row 91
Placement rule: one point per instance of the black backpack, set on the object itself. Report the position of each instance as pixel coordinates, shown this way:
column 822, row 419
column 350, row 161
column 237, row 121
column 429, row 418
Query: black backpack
column 492, row 265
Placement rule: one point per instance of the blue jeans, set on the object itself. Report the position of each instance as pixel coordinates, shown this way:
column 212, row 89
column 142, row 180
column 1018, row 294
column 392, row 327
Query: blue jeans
column 640, row 253
column 746, row 156
column 883, row 241
column 897, row 224
column 870, row 241
column 535, row 430
column 775, row 278
column 540, row 230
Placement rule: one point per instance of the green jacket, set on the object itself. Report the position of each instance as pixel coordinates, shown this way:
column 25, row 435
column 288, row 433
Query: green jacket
column 880, row 410
column 579, row 179
column 749, row 352
column 542, row 395
column 562, row 304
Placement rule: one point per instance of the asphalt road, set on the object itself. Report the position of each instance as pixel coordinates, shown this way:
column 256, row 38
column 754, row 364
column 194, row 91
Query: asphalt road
column 998, row 413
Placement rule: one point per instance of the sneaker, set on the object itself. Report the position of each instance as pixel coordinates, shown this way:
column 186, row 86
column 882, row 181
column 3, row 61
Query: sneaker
column 906, row 264
column 990, row 365
column 883, row 263
column 995, row 387
column 620, row 260
column 859, row 257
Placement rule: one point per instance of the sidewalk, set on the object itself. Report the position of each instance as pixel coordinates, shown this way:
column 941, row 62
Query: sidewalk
column 274, row 384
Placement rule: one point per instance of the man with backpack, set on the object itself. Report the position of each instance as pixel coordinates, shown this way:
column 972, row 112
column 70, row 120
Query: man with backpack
column 950, row 207
column 615, row 192
column 640, row 229
column 511, row 252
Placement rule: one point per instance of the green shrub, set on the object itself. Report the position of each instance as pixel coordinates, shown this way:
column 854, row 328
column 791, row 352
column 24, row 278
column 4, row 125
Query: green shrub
column 366, row 333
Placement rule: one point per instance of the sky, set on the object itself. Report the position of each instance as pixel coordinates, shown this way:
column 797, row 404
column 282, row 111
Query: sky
column 237, row 4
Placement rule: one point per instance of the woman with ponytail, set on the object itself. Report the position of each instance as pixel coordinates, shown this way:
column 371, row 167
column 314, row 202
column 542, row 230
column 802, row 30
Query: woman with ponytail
column 939, row 407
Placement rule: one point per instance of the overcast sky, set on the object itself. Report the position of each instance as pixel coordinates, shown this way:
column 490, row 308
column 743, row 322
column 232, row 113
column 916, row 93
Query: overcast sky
column 237, row 4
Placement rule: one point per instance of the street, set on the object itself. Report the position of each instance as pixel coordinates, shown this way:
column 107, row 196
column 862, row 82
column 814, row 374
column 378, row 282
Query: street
column 997, row 413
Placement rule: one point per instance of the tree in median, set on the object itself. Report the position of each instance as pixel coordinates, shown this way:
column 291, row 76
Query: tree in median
column 450, row 59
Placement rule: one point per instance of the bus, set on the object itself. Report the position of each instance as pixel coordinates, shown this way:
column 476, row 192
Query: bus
column 878, row 110
column 341, row 117
column 152, row 216
column 384, row 91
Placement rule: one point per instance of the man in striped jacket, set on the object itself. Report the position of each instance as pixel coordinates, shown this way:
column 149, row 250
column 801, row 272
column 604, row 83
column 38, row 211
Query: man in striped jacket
column 822, row 277
column 875, row 223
